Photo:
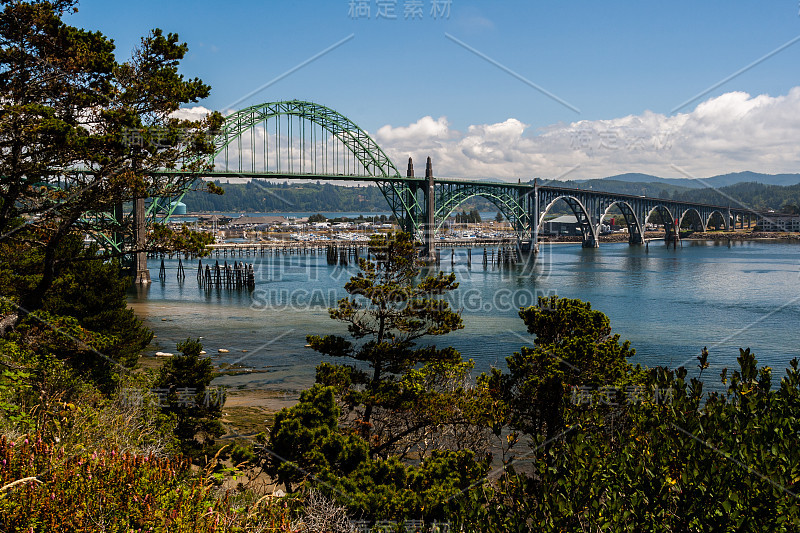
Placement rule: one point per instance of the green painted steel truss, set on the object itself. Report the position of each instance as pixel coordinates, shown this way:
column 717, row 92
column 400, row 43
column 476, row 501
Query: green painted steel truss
column 401, row 194
column 512, row 201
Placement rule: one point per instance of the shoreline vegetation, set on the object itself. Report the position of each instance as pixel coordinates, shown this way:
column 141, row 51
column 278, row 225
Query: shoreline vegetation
column 393, row 435
column 251, row 404
column 249, row 407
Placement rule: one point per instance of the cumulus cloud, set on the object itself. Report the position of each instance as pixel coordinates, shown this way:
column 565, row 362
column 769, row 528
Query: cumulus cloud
column 191, row 113
column 729, row 133
column 425, row 129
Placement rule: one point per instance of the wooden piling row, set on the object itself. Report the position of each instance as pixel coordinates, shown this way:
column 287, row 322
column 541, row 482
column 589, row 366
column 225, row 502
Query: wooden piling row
column 236, row 276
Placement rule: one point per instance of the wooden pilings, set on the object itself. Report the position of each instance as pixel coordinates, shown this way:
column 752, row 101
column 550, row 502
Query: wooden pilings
column 239, row 275
column 235, row 276
column 343, row 254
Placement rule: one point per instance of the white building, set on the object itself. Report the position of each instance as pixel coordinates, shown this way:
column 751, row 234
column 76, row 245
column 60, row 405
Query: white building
column 779, row 222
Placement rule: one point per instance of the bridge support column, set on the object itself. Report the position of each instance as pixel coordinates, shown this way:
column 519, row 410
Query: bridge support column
column 534, row 217
column 141, row 274
column 409, row 222
column 592, row 207
column 430, row 219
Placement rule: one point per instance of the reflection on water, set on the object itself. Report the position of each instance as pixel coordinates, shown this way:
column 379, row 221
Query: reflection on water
column 669, row 303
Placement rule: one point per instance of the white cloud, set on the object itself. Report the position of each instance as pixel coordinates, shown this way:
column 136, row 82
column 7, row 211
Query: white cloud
column 729, row 133
column 191, row 113
column 425, row 129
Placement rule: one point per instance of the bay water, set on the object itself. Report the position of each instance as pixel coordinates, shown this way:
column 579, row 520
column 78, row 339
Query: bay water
column 669, row 303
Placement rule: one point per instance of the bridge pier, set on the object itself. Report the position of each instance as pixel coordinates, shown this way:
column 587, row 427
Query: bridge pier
column 430, row 212
column 140, row 272
column 590, row 242
column 410, row 218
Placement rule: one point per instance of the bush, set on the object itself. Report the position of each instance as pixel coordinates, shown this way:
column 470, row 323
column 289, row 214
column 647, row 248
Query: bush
column 111, row 491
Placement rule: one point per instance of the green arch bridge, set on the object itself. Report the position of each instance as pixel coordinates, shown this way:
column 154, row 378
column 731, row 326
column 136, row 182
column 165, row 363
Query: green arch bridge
column 298, row 140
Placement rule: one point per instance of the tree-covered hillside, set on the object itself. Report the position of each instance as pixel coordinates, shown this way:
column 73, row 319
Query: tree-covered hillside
column 753, row 195
column 289, row 197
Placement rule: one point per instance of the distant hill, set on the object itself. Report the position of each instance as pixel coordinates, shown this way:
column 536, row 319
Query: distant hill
column 722, row 180
column 305, row 197
column 749, row 177
column 655, row 189
column 299, row 197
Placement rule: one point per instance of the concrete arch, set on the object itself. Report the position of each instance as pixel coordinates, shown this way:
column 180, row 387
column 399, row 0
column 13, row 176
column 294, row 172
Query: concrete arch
column 635, row 227
column 697, row 216
column 581, row 214
column 725, row 223
column 666, row 217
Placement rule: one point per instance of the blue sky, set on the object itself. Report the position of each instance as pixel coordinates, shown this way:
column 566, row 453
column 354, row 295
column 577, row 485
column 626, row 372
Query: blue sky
column 608, row 59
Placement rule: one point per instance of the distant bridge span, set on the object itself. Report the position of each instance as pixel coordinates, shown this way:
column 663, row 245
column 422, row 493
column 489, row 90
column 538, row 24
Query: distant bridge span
column 297, row 140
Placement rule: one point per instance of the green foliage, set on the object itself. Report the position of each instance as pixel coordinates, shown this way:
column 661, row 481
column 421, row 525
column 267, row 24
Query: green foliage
column 387, row 312
column 573, row 347
column 437, row 489
column 307, row 445
column 473, row 217
column 95, row 293
column 16, row 389
column 725, row 462
column 50, row 121
column 165, row 239
column 184, row 380
column 317, row 218
column 107, row 490
column 84, row 319
column 305, row 440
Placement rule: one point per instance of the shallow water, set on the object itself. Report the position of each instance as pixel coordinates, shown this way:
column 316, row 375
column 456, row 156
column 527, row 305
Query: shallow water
column 669, row 303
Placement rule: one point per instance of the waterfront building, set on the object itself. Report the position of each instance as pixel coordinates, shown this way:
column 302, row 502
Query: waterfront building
column 779, row 222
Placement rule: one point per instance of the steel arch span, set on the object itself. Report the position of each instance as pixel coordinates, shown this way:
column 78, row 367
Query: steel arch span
column 361, row 145
column 635, row 227
column 402, row 199
column 313, row 159
column 507, row 199
column 588, row 229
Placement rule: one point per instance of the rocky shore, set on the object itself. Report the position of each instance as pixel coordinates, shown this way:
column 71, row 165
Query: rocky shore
column 743, row 236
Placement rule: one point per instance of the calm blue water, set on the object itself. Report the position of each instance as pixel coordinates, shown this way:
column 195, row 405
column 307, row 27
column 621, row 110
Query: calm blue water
column 669, row 303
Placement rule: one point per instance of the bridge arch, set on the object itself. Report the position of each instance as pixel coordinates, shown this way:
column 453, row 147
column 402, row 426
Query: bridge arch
column 588, row 229
column 401, row 196
column 372, row 158
column 635, row 228
column 666, row 217
column 505, row 202
column 699, row 225
column 722, row 217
